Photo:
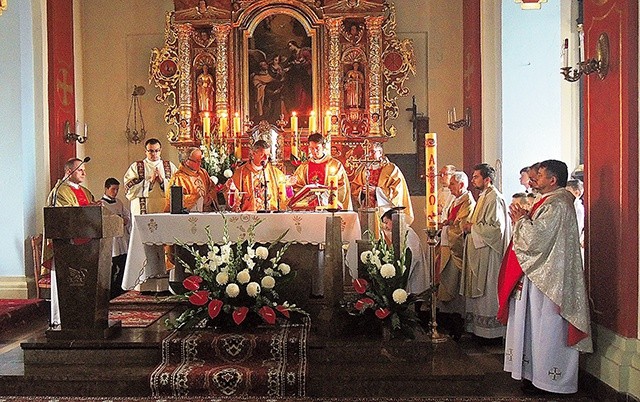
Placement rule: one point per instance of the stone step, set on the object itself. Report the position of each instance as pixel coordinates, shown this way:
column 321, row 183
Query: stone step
column 402, row 380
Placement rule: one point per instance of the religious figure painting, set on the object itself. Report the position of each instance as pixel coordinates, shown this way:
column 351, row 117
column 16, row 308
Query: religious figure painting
column 280, row 70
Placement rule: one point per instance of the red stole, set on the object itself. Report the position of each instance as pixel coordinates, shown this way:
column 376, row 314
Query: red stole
column 453, row 212
column 509, row 277
column 316, row 172
column 81, row 196
column 82, row 201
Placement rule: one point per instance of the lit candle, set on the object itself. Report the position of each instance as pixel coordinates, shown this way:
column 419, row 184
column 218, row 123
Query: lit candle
column 223, row 124
column 237, row 125
column 85, row 131
column 565, row 53
column 206, row 125
column 431, row 167
column 313, row 126
column 294, row 122
column 327, row 122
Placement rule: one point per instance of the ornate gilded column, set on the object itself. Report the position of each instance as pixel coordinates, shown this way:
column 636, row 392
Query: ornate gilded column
column 221, row 32
column 374, row 26
column 334, row 25
column 184, row 85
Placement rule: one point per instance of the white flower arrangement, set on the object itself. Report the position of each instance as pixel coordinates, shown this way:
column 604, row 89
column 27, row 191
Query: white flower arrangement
column 234, row 280
column 382, row 288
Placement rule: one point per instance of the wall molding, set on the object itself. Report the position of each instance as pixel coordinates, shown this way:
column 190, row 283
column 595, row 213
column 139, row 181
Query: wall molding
column 14, row 287
column 615, row 361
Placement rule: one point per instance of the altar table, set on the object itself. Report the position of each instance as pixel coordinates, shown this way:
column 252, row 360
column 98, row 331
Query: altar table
column 160, row 229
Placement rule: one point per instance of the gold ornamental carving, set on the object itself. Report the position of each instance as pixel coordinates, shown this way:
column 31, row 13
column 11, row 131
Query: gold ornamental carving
column 266, row 60
column 398, row 64
column 185, row 83
column 374, row 26
column 164, row 71
column 334, row 25
column 221, row 32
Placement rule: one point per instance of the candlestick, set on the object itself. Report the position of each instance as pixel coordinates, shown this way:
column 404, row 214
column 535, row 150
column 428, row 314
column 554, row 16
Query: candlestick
column 237, row 145
column 237, row 125
column 454, row 114
column 313, row 126
column 206, row 125
column 431, row 167
column 333, row 196
column 224, row 122
column 565, row 53
column 85, row 131
column 294, row 145
column 294, row 122
column 327, row 122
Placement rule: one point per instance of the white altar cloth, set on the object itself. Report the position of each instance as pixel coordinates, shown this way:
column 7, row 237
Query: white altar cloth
column 158, row 229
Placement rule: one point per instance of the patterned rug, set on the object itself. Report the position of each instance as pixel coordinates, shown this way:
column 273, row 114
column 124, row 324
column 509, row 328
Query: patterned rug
column 262, row 361
column 290, row 399
column 14, row 312
column 135, row 297
column 138, row 316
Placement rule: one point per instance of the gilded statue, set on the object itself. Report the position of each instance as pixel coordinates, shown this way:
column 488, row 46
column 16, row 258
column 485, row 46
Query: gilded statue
column 204, row 84
column 354, row 86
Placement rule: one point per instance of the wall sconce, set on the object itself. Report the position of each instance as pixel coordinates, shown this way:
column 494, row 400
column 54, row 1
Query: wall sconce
column 134, row 136
column 599, row 64
column 71, row 137
column 455, row 124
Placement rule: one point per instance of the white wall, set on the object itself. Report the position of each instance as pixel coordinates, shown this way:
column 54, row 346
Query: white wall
column 23, row 138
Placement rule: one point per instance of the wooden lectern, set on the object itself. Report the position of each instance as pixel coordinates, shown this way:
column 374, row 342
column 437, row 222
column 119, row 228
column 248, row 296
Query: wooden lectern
column 82, row 243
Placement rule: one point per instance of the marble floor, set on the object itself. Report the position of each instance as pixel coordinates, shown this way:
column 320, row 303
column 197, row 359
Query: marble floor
column 484, row 359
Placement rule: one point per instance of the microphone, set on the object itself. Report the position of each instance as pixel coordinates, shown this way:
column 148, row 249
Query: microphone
column 54, row 199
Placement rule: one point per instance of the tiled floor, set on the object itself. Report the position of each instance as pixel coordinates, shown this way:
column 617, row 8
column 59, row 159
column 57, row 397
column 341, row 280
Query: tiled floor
column 486, row 357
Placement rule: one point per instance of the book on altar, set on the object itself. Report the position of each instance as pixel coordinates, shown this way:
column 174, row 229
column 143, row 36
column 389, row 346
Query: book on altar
column 310, row 197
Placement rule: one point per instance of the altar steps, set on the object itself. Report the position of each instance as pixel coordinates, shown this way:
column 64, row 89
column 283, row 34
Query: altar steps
column 376, row 368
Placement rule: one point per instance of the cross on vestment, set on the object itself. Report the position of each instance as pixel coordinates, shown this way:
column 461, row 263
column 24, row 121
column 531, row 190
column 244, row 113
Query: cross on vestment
column 555, row 373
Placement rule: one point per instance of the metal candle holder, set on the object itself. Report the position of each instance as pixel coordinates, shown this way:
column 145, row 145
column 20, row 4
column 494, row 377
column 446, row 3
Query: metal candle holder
column 433, row 238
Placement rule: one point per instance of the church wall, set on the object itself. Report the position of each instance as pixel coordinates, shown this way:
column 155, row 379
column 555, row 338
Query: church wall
column 611, row 195
column 611, row 166
column 117, row 38
column 22, row 120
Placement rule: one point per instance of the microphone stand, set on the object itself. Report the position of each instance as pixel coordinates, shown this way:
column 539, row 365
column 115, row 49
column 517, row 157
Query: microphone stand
column 264, row 175
column 54, row 198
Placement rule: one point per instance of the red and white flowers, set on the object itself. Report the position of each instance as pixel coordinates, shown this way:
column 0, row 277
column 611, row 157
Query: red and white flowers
column 235, row 280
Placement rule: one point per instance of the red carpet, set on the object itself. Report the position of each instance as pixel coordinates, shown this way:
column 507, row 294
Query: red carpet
column 139, row 316
column 265, row 361
column 16, row 311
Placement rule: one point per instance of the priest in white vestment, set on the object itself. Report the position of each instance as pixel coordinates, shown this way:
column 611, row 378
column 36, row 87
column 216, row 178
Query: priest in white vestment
column 451, row 304
column 488, row 234
column 542, row 290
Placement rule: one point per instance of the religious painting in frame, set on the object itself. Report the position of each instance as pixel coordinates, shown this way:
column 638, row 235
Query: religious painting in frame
column 280, row 69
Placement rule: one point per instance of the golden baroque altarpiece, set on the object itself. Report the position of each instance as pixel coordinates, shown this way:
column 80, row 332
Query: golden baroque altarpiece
column 234, row 71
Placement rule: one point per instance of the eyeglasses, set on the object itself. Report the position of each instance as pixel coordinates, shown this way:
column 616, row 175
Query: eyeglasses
column 194, row 161
column 153, row 151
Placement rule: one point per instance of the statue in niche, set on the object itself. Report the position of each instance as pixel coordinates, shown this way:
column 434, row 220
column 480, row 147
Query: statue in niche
column 354, row 86
column 204, row 90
